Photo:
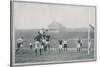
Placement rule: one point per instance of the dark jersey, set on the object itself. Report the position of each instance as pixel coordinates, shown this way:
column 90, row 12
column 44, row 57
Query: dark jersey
column 60, row 42
column 38, row 38
column 44, row 36
column 48, row 37
column 65, row 45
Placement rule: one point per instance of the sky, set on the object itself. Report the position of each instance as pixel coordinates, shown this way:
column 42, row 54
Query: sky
column 37, row 16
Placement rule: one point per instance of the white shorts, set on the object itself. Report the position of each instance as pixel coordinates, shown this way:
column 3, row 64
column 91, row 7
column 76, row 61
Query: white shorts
column 46, row 42
column 21, row 45
column 60, row 46
column 38, row 45
column 78, row 46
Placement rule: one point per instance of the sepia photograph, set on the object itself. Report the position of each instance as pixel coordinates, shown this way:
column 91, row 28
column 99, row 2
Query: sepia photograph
column 44, row 33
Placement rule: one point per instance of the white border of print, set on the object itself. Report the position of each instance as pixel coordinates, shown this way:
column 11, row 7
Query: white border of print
column 12, row 36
